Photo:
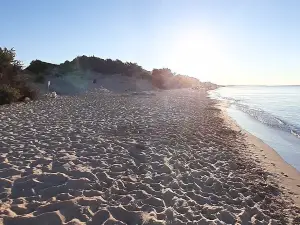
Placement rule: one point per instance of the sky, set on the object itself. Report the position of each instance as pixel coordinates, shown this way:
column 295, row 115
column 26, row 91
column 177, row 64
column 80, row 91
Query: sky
column 254, row 42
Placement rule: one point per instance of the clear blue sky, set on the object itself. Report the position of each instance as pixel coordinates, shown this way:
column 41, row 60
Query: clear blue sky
column 227, row 42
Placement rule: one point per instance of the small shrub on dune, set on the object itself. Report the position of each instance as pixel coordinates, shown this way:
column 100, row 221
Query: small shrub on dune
column 8, row 94
column 28, row 92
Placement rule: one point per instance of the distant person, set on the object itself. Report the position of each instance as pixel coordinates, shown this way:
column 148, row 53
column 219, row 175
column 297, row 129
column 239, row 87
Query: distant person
column 49, row 83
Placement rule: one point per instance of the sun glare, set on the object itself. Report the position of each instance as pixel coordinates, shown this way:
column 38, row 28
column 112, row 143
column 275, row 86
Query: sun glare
column 199, row 55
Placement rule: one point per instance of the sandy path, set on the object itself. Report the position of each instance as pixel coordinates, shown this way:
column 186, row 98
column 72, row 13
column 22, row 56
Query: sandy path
column 162, row 158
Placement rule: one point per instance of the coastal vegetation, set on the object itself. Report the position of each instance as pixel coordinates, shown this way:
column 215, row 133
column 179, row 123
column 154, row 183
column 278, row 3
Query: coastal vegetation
column 161, row 78
column 16, row 81
column 13, row 83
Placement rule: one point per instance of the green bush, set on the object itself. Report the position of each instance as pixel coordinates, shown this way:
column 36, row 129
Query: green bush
column 8, row 94
column 13, row 83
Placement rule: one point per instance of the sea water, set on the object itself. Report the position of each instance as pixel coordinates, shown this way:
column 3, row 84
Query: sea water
column 271, row 113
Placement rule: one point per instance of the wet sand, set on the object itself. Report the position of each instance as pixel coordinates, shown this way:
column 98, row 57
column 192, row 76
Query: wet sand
column 283, row 173
column 163, row 157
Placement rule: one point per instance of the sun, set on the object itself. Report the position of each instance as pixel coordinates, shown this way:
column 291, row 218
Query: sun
column 198, row 54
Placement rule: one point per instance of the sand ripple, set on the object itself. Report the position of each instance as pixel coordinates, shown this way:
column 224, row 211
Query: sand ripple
column 100, row 158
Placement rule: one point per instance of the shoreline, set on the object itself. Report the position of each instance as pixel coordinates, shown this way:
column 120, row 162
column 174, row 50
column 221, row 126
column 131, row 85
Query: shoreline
column 282, row 172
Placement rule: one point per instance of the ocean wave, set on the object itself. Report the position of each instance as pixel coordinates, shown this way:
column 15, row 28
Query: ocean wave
column 269, row 119
column 260, row 115
column 295, row 134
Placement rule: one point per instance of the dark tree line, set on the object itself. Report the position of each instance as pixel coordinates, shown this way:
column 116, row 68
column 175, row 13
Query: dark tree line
column 161, row 78
column 166, row 79
column 14, row 85
column 90, row 63
column 40, row 67
column 109, row 66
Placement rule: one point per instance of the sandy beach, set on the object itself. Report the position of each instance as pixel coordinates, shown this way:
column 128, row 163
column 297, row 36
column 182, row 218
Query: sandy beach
column 283, row 173
column 158, row 157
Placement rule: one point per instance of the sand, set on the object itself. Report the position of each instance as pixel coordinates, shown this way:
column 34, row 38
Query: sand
column 165, row 157
column 283, row 173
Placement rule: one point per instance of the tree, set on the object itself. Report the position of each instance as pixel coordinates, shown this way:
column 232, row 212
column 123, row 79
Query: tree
column 161, row 76
column 9, row 66
column 13, row 86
